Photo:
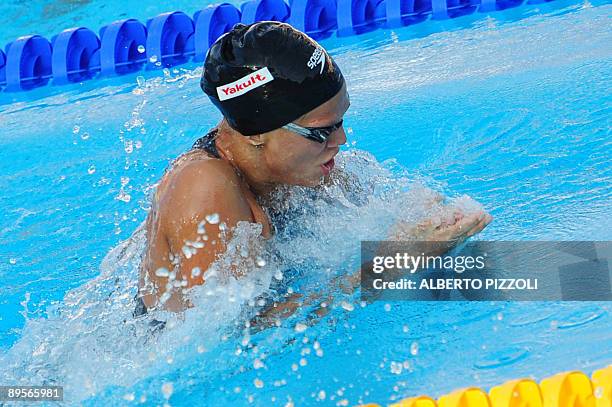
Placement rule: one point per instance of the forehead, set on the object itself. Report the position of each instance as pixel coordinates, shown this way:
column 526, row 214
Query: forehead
column 329, row 112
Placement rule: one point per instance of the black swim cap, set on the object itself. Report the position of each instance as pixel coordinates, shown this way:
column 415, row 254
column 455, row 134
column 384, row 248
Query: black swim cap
column 265, row 75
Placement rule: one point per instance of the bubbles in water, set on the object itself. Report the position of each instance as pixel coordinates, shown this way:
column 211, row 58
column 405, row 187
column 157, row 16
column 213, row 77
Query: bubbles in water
column 347, row 306
column 162, row 272
column 76, row 129
column 129, row 397
column 128, row 146
column 153, row 59
column 85, row 136
column 321, row 395
column 195, row 272
column 141, row 49
column 258, row 383
column 387, row 307
column 396, row 367
column 167, row 389
column 140, row 80
column 405, row 329
column 213, row 218
column 278, row 275
column 91, row 169
column 125, row 181
column 299, row 327
column 414, row 348
column 258, row 364
column 13, row 261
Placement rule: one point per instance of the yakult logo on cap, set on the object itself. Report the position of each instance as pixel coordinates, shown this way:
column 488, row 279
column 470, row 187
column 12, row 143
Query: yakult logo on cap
column 244, row 84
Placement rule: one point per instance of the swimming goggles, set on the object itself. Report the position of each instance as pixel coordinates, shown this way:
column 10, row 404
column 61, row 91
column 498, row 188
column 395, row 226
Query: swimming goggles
column 318, row 134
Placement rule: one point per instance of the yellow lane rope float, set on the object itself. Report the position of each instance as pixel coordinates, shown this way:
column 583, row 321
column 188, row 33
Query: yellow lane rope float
column 567, row 389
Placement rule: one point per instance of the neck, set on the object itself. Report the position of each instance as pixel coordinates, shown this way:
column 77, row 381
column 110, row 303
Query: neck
column 240, row 156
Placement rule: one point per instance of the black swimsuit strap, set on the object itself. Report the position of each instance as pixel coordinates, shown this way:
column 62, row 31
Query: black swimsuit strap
column 207, row 143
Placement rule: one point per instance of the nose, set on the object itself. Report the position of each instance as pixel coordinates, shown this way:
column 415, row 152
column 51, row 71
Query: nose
column 337, row 138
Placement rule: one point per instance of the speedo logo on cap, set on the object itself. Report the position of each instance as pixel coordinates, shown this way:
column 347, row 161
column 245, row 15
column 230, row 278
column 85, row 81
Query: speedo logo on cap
column 245, row 84
column 317, row 57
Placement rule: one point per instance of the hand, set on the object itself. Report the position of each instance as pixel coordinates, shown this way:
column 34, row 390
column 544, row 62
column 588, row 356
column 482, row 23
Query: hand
column 449, row 231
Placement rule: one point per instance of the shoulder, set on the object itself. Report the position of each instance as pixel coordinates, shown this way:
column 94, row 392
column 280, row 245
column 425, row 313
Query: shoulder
column 198, row 187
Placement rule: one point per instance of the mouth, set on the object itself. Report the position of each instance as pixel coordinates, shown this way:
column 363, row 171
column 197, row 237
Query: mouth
column 327, row 166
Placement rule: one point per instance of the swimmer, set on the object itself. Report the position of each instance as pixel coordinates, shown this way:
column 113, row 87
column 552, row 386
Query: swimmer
column 283, row 99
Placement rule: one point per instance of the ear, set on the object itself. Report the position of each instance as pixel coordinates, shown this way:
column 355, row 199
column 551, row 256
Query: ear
column 256, row 140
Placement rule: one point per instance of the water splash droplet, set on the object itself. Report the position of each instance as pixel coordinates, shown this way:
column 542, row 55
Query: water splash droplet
column 76, row 129
column 167, row 390
column 141, row 49
column 124, row 197
column 213, row 218
column 414, row 348
column 347, row 306
column 299, row 327
column 599, row 392
column 260, row 262
column 153, row 59
column 91, row 169
column 13, row 261
column 85, row 136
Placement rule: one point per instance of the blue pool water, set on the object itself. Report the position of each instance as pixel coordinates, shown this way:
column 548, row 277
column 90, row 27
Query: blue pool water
column 511, row 109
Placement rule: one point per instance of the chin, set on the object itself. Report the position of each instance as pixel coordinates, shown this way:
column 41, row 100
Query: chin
column 310, row 183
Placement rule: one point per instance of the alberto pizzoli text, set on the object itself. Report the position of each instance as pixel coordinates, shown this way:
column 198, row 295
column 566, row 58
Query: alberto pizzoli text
column 411, row 264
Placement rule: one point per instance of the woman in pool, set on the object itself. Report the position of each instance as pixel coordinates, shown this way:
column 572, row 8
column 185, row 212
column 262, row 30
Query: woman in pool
column 283, row 99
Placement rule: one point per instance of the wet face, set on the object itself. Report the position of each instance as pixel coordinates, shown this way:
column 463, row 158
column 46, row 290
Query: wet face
column 295, row 160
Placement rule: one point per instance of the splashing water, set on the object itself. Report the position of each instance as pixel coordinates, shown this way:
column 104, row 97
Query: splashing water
column 91, row 341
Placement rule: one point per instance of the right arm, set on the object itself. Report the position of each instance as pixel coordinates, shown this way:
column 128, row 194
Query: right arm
column 199, row 189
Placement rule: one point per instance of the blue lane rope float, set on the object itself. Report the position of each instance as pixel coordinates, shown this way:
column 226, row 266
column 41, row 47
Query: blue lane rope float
column 78, row 54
